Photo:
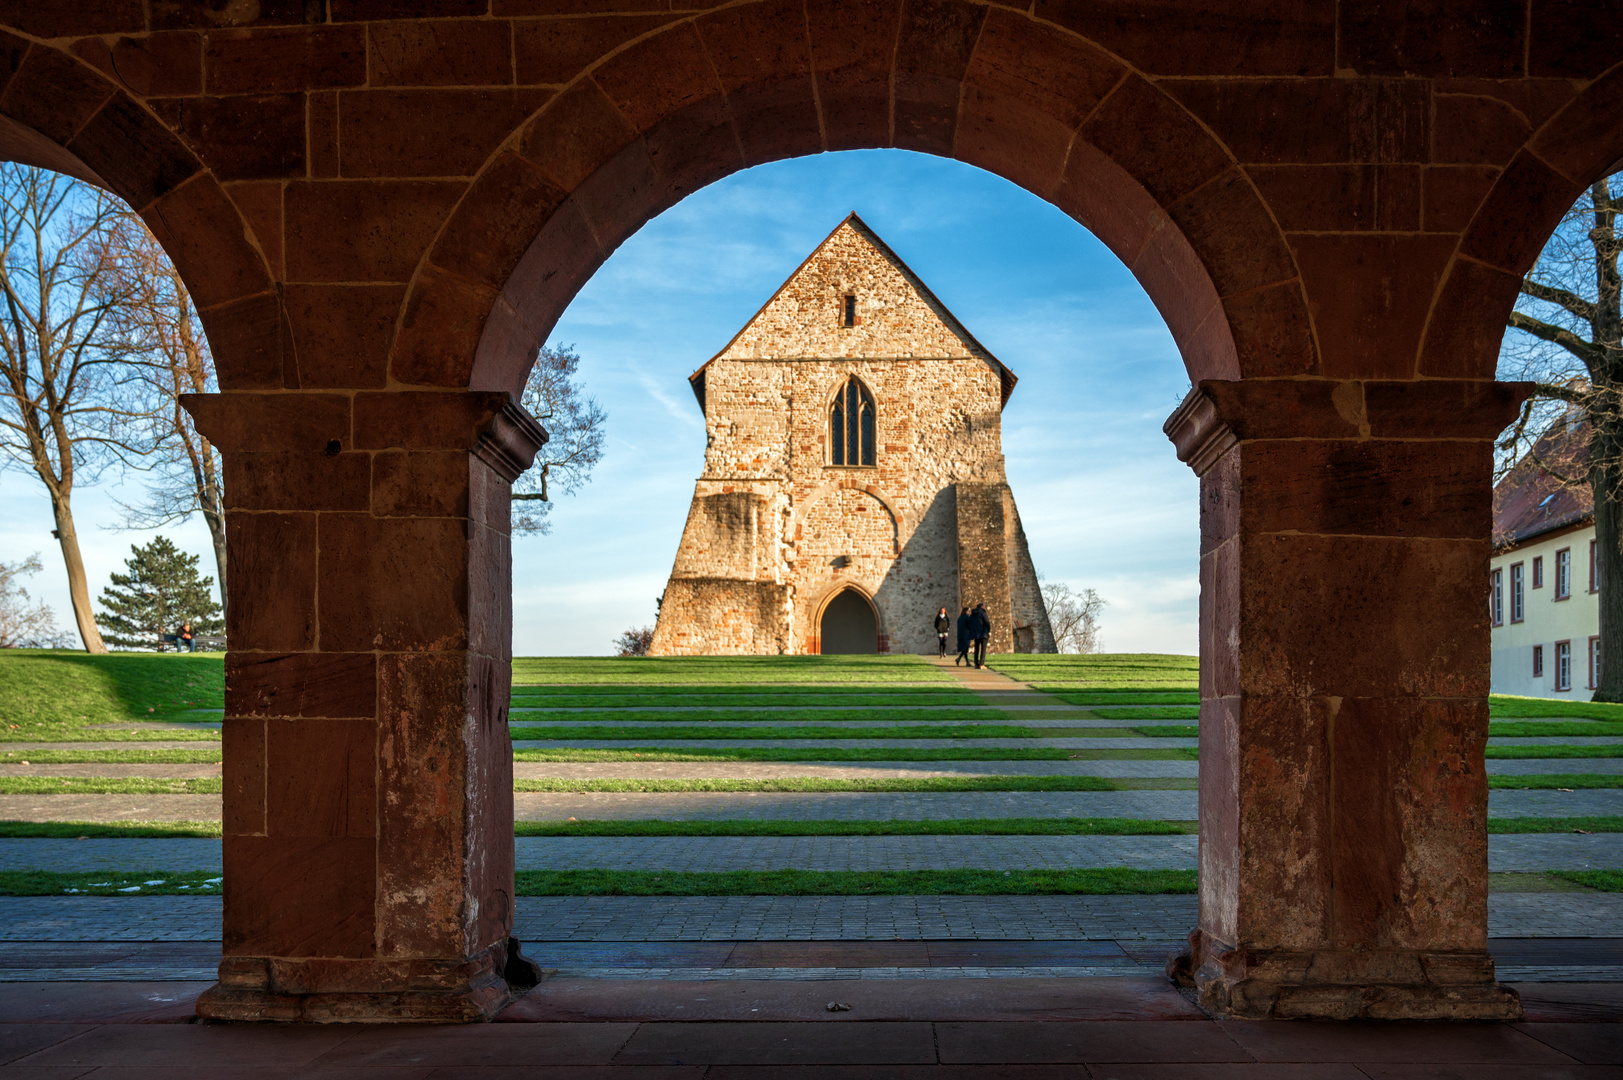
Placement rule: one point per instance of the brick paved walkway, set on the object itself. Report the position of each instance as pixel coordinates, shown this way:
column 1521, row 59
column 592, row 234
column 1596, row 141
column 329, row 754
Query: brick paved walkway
column 1531, row 852
column 762, row 918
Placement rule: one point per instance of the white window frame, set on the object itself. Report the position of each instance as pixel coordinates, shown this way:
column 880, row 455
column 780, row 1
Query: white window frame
column 1563, row 574
column 1563, row 665
column 1538, row 661
column 1594, row 662
column 1518, row 595
column 1496, row 599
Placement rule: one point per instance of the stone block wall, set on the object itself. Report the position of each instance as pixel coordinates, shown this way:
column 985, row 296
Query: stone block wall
column 1032, row 630
column 983, row 561
column 722, row 617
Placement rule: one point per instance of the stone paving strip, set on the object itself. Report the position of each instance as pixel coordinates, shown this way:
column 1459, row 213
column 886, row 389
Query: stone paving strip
column 1049, row 721
column 767, row 806
column 1150, row 743
column 539, row 919
column 693, row 854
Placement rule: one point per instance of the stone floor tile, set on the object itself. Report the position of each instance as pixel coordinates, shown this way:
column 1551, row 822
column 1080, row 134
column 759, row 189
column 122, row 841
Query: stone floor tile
column 889, row 1072
column 1592, row 1044
column 1222, row 1071
column 1390, row 1043
column 731, row 1043
column 20, row 1040
column 254, row 1072
column 481, row 1045
column 1101, row 1041
column 195, row 1045
column 1492, row 1072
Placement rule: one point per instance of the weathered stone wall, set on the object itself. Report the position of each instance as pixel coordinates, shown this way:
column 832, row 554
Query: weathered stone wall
column 1025, row 593
column 889, row 530
column 722, row 616
column 983, row 563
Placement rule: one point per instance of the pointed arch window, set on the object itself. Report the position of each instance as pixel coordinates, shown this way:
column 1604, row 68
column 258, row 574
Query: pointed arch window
column 851, row 425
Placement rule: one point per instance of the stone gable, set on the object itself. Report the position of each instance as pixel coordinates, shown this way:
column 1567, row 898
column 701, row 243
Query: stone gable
column 773, row 512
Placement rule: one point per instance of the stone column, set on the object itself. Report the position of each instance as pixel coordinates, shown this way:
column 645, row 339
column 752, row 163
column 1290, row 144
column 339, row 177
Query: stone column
column 368, row 770
column 1344, row 680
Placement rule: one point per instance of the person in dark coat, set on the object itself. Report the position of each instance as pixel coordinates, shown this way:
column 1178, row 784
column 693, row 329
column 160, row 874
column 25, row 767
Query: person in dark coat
column 964, row 638
column 980, row 628
column 943, row 626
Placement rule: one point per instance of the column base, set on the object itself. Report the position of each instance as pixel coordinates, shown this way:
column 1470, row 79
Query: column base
column 360, row 991
column 1336, row 984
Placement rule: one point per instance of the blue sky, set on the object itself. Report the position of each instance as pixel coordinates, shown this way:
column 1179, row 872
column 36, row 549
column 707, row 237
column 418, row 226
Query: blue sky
column 1104, row 501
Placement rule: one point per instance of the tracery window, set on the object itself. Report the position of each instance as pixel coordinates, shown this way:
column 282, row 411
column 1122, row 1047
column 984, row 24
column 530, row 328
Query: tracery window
column 851, row 425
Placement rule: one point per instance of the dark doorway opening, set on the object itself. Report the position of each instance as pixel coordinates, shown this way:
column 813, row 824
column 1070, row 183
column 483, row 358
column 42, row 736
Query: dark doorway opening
column 849, row 627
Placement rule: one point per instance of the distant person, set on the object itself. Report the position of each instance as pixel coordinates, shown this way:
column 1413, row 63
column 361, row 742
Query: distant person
column 963, row 638
column 980, row 629
column 943, row 626
column 188, row 640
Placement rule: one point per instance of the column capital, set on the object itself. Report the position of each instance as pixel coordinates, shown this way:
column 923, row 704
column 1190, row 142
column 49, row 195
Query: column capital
column 1217, row 413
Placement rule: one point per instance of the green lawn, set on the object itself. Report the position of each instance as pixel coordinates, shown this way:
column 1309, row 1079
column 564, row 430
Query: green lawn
column 1555, row 728
column 97, row 785
column 1557, row 751
column 529, row 697
column 1101, row 671
column 820, row 783
column 1608, row 824
column 949, row 827
column 1556, row 781
column 109, row 883
column 60, row 696
column 1508, row 706
column 844, row 753
column 671, row 671
column 622, row 732
column 981, row 715
column 36, row 756
column 1604, row 880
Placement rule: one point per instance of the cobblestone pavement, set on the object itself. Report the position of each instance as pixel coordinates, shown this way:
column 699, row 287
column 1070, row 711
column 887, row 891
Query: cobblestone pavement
column 1585, row 802
column 1148, row 743
column 1536, row 852
column 540, row 919
column 1537, row 766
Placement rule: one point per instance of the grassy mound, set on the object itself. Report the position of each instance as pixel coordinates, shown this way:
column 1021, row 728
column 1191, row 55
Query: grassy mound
column 54, row 696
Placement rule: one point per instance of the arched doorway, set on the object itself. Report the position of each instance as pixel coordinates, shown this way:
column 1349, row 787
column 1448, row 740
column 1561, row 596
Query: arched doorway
column 849, row 626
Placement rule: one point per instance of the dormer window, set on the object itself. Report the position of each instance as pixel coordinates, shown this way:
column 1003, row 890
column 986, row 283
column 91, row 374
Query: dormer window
column 851, row 425
column 848, row 310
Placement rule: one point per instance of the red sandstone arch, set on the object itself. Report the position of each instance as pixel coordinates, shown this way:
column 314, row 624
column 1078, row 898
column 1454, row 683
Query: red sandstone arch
column 1570, row 150
column 1024, row 99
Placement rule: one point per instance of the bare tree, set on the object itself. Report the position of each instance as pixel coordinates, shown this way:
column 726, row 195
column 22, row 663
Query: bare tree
column 24, row 623
column 1570, row 325
column 1073, row 615
column 156, row 326
column 63, row 411
column 574, row 424
column 634, row 642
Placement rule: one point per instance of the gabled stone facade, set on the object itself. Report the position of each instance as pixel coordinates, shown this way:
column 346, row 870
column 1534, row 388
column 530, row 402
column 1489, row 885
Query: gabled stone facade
column 777, row 529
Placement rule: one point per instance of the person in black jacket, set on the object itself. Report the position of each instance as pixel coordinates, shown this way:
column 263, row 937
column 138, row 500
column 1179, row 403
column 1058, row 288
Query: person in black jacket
column 963, row 637
column 943, row 626
column 980, row 628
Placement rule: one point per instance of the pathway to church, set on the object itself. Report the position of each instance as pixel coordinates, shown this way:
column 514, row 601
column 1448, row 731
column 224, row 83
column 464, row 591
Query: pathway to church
column 838, row 818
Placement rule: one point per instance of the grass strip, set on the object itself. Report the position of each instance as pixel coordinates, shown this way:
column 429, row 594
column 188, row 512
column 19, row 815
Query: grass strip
column 1604, row 880
column 978, row 715
column 1556, row 781
column 1506, row 705
column 1122, row 697
column 622, row 732
column 69, row 736
column 820, row 698
column 950, row 827
column 836, row 754
column 109, row 883
column 562, row 785
column 818, row 692
column 1606, row 824
column 670, row 671
column 1554, row 728
column 1165, row 712
column 1169, row 731
column 106, row 785
column 108, row 830
column 1090, row 882
column 111, row 757
column 1559, row 751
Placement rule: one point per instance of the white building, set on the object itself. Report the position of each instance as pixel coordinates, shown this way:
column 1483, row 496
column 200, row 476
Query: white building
column 1544, row 587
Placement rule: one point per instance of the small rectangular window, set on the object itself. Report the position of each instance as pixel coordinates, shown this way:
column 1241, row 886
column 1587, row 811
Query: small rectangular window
column 1496, row 599
column 1594, row 566
column 1594, row 663
column 1517, row 608
column 1538, row 571
column 1563, row 574
column 1538, row 661
column 1563, row 665
column 848, row 311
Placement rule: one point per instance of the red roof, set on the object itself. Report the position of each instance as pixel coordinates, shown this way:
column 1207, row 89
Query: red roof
column 1531, row 501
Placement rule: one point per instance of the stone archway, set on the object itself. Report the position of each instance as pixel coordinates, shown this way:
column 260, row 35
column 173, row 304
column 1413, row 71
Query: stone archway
column 382, row 217
column 848, row 625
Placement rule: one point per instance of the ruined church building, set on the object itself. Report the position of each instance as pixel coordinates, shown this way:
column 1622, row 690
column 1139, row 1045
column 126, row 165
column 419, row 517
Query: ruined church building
column 853, row 477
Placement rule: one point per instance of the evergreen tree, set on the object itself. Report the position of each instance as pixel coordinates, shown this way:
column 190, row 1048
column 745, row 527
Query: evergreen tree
column 161, row 591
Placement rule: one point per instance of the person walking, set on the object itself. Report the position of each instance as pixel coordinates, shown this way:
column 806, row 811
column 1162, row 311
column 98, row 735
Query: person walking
column 943, row 625
column 980, row 628
column 963, row 638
